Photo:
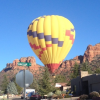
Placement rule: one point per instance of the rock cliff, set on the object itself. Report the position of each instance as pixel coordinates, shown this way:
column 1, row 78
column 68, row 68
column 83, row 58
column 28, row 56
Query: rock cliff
column 12, row 68
column 90, row 55
column 91, row 52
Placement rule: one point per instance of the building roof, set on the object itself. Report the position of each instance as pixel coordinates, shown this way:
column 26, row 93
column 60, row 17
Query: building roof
column 60, row 84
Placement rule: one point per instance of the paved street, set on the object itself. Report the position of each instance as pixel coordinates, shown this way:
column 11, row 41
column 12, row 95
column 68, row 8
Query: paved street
column 18, row 98
column 15, row 98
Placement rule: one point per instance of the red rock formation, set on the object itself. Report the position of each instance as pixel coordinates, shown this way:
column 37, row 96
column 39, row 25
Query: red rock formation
column 66, row 66
column 89, row 55
column 15, row 62
column 91, row 52
column 31, row 60
column 9, row 65
column 23, row 59
column 79, row 58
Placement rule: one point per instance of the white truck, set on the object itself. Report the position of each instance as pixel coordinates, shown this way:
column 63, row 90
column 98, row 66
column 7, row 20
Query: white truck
column 27, row 92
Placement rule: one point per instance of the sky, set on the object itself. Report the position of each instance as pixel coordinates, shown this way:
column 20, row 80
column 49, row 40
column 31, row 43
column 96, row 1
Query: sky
column 16, row 15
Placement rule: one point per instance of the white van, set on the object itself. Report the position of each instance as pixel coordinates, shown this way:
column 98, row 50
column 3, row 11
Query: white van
column 27, row 91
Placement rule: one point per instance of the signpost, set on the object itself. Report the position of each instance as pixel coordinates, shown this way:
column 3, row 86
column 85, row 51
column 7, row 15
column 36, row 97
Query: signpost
column 24, row 64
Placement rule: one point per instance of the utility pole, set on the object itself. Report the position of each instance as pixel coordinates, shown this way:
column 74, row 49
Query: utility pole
column 24, row 85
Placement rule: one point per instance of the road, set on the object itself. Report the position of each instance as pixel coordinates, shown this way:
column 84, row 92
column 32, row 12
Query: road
column 15, row 98
column 19, row 98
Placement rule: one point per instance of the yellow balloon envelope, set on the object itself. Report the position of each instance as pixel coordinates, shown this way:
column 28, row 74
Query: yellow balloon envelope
column 51, row 38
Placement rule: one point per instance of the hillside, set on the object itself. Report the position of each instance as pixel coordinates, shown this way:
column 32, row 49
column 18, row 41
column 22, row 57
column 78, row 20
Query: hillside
column 92, row 55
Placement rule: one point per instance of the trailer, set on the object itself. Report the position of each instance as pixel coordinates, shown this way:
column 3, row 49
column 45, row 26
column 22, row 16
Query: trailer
column 27, row 92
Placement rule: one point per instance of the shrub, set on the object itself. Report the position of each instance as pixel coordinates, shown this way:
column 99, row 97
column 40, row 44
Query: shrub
column 49, row 94
column 71, row 92
column 59, row 96
column 94, row 94
column 63, row 92
column 54, row 96
column 67, row 96
column 1, row 93
column 84, row 96
column 58, row 92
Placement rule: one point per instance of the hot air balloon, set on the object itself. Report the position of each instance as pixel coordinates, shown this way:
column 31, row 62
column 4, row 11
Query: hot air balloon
column 51, row 38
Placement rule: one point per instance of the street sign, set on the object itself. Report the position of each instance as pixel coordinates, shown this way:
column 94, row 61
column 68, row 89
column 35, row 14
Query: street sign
column 23, row 64
column 24, row 78
column 20, row 78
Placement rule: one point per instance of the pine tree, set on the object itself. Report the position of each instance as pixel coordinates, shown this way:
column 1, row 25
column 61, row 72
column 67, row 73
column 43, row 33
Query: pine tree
column 60, row 79
column 19, row 89
column 75, row 71
column 35, row 84
column 11, row 88
column 46, row 84
column 85, row 67
column 97, row 71
column 4, row 84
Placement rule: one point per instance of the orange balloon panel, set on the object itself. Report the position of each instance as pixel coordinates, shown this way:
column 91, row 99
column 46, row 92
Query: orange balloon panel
column 51, row 38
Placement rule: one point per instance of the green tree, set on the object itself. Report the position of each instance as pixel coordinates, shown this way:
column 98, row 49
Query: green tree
column 75, row 71
column 58, row 92
column 11, row 88
column 85, row 67
column 60, row 78
column 37, row 77
column 4, row 84
column 97, row 71
column 19, row 89
column 46, row 83
column 35, row 84
column 69, row 83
